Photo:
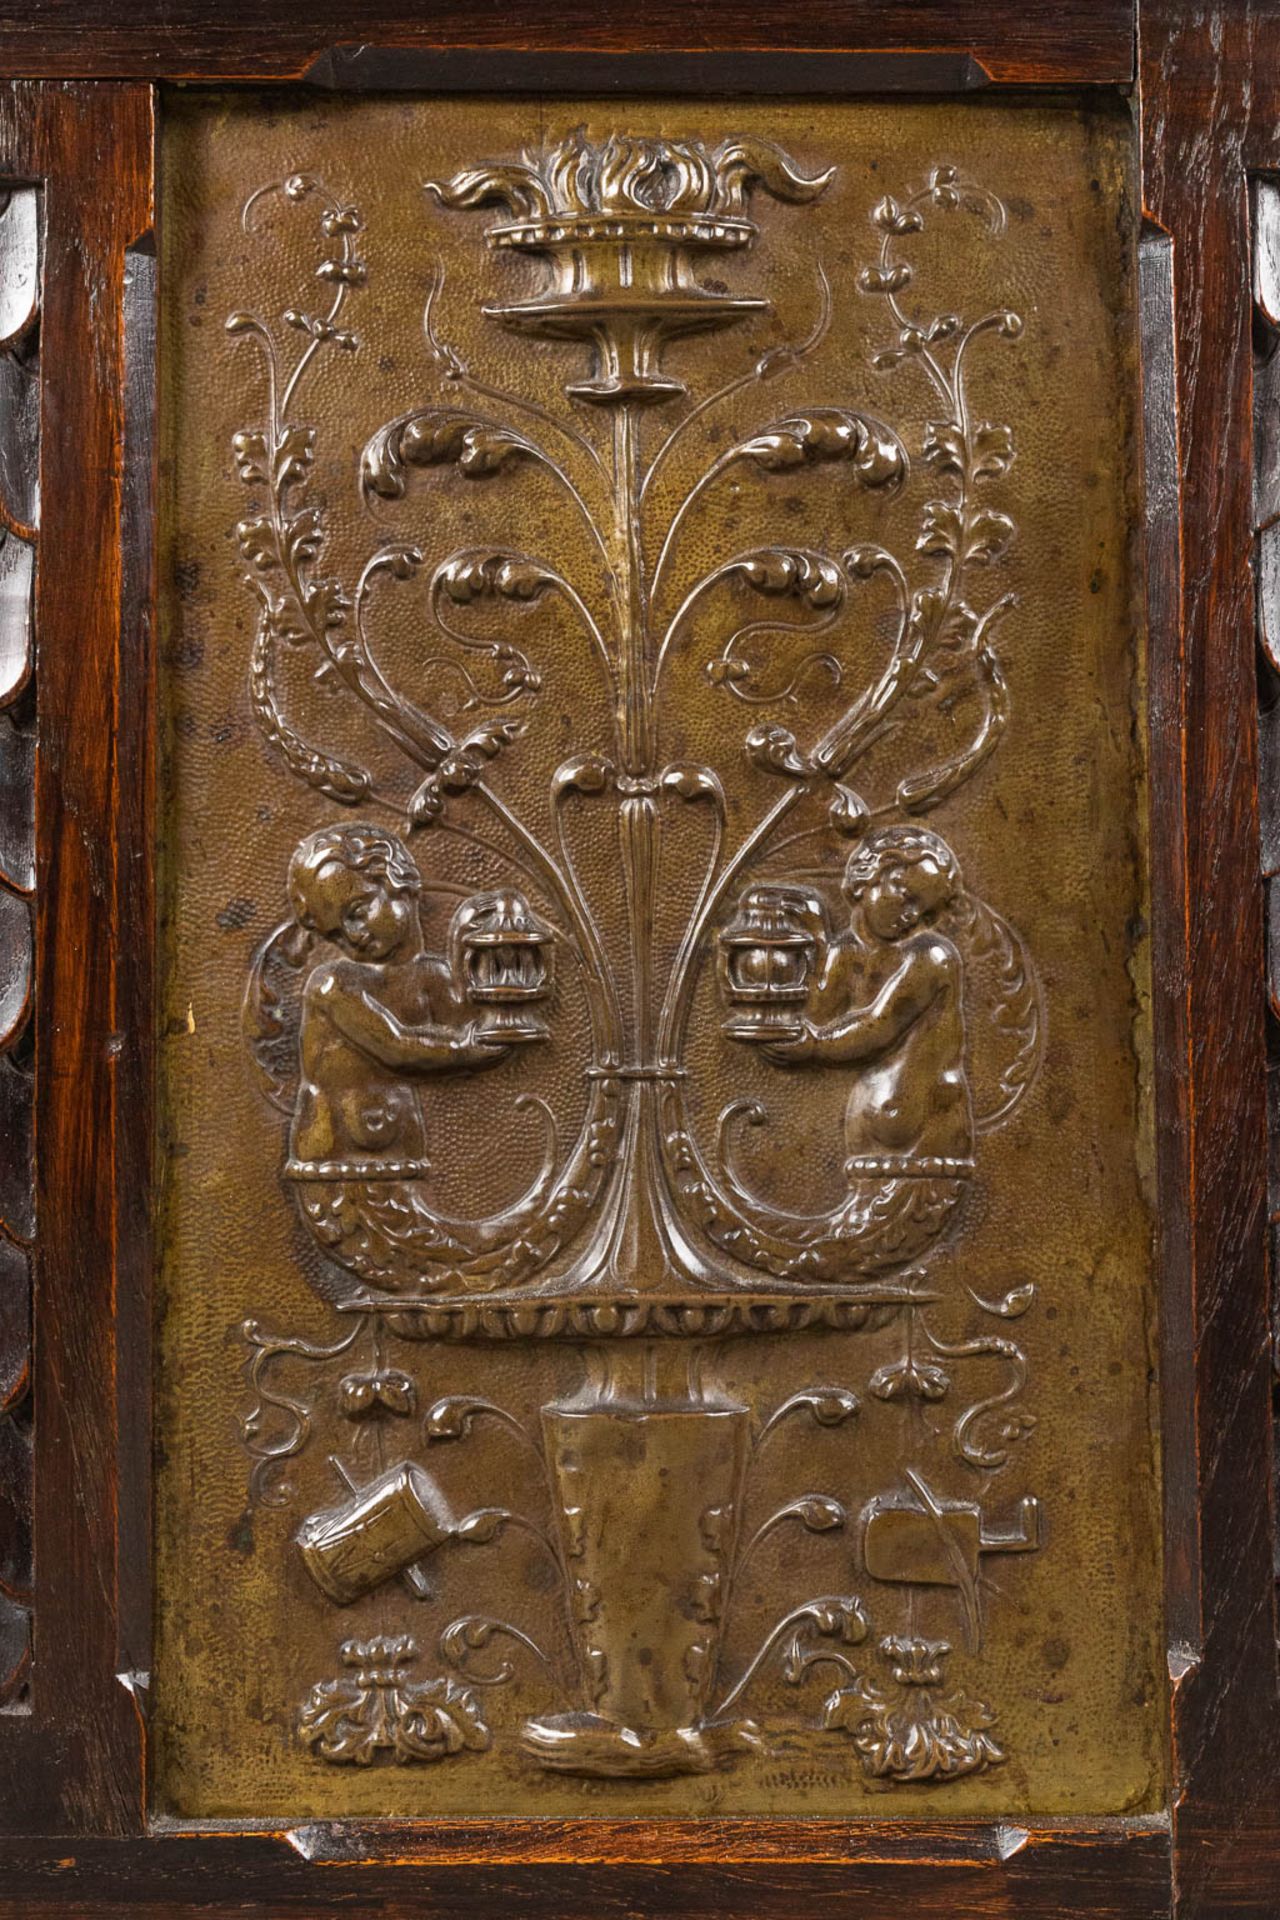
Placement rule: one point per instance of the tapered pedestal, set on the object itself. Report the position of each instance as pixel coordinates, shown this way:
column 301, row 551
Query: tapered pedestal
column 647, row 1476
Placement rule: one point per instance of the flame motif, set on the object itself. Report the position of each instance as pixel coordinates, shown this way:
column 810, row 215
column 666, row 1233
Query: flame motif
column 631, row 176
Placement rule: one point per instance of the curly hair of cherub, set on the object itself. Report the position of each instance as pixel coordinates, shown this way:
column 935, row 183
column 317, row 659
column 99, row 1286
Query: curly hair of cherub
column 358, row 847
column 904, row 846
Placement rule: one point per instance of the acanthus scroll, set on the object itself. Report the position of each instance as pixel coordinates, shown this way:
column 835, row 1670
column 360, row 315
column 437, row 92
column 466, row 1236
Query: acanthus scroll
column 890, row 980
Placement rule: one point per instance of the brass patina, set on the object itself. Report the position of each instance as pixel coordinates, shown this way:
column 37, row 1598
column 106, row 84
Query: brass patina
column 657, row 1287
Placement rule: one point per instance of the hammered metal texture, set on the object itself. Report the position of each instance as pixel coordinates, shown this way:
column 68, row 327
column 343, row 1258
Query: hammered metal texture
column 657, row 1300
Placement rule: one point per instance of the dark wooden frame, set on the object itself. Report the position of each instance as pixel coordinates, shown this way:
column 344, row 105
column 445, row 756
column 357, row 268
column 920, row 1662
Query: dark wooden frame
column 79, row 119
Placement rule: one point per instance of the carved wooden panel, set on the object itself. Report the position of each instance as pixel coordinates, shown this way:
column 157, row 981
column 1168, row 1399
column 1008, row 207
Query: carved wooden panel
column 19, row 516
column 655, row 1083
column 1266, row 492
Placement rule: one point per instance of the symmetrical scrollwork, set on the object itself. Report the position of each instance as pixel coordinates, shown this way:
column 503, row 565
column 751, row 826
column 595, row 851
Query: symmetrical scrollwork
column 637, row 1165
column 636, row 1227
column 913, row 1727
column 376, row 1708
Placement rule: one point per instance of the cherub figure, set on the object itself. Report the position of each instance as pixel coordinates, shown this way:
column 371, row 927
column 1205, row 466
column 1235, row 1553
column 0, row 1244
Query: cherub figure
column 373, row 1018
column 377, row 1016
column 887, row 1003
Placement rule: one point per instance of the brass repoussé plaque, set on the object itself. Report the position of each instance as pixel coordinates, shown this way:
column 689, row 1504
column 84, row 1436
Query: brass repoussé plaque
column 656, row 1270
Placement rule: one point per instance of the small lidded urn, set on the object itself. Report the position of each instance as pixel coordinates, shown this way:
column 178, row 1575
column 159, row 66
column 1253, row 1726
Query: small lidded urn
column 501, row 958
column 619, row 222
column 768, row 955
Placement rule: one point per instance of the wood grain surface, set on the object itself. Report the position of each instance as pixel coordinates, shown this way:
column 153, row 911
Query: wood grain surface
column 71, row 1771
column 1211, row 107
column 74, row 1762
column 1076, row 41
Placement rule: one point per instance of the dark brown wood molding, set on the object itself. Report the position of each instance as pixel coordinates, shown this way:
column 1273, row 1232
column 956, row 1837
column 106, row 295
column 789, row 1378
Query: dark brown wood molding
column 1089, row 42
column 1226, row 1720
column 402, row 68
column 20, row 217
column 72, row 1796
column 74, row 1762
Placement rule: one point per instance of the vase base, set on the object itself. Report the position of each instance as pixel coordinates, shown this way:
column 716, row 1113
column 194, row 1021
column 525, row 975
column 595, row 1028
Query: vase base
column 589, row 1743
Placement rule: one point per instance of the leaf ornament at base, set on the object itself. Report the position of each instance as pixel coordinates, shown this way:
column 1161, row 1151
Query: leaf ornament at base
column 377, row 1709
column 913, row 1729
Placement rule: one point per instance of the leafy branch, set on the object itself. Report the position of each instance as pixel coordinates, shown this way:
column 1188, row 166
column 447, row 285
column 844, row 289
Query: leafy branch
column 282, row 545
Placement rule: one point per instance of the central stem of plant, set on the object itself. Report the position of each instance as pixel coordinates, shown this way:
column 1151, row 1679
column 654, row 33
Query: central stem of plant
column 636, row 717
column 632, row 1246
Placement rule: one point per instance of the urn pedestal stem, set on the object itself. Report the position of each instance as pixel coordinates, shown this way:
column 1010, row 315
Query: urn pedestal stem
column 647, row 1473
